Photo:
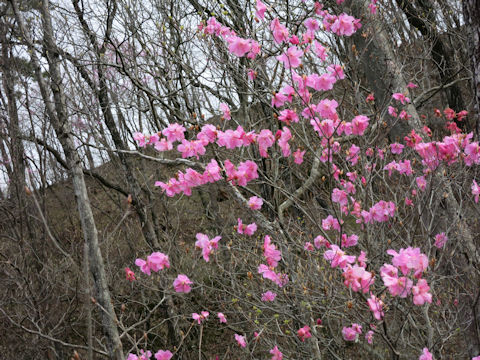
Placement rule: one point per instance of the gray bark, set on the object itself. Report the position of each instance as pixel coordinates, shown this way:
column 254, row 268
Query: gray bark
column 57, row 114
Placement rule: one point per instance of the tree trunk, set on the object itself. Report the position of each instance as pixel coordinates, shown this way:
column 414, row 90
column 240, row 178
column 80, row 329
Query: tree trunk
column 471, row 13
column 58, row 116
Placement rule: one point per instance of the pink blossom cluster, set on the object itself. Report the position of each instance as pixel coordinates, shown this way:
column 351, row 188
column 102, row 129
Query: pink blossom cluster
column 246, row 229
column 273, row 256
column 409, row 261
column 184, row 182
column 199, row 318
column 379, row 212
column 146, row 355
column 155, row 262
column 351, row 333
column 207, row 245
column 236, row 45
column 304, row 333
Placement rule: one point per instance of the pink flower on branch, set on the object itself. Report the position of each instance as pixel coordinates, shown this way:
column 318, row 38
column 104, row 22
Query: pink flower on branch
column 182, row 284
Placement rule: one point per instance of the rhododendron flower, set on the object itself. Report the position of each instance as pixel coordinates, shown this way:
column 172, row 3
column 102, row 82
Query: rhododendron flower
column 288, row 116
column 206, row 245
column 320, row 241
column 320, row 51
column 340, row 197
column 163, row 355
column 226, row 111
column 337, row 257
column 144, row 355
column 351, row 333
column 221, row 317
column 130, row 275
column 401, row 97
column 280, row 32
column 440, row 240
column 304, row 333
column 240, row 340
column 398, row 286
column 140, row 139
column 270, row 252
column 132, row 357
column 200, row 317
column 163, row 145
column 158, row 261
column 182, row 284
column 252, row 74
column 142, row 264
column 426, row 355
column 265, row 140
column 268, row 296
column 284, row 136
column 392, row 111
column 308, row 246
column 359, row 124
column 291, row 58
column 298, row 156
column 174, row 132
column 475, row 190
column 420, row 293
column 396, row 148
column 357, row 278
column 409, row 259
column 344, row 25
column 330, row 223
column 294, row 40
column 255, row 203
column 261, row 8
column 376, row 306
column 246, row 229
column 277, row 354
column 411, row 85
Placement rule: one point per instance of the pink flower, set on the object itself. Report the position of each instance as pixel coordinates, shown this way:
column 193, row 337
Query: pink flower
column 140, row 139
column 270, row 252
column 142, row 264
column 255, row 203
column 376, row 305
column 308, row 246
column 240, row 340
column 280, row 32
column 421, row 182
column 261, row 8
column 401, row 97
column 291, row 59
column 277, row 354
column 200, row 317
column 475, row 190
column 320, row 51
column 359, row 124
column 369, row 336
column 265, row 140
column 206, row 245
column 440, row 240
column 163, row 355
column 222, row 317
column 396, row 148
column 344, row 25
column 130, row 274
column 268, row 296
column 182, row 284
column 174, row 132
column 412, row 85
column 426, row 355
column 420, row 293
column 337, row 257
column 226, row 111
column 246, row 229
column 357, row 278
column 252, row 74
column 304, row 333
column 238, row 46
column 158, row 261
column 351, row 333
column 370, row 98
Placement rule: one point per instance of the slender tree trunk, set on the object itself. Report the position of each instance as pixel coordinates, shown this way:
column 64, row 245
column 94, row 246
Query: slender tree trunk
column 471, row 14
column 58, row 116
